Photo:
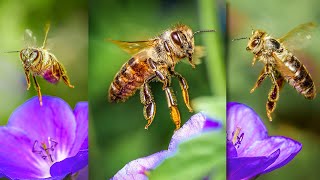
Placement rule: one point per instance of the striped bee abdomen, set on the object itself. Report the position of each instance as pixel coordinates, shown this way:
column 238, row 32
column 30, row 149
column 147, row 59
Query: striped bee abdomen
column 301, row 80
column 129, row 79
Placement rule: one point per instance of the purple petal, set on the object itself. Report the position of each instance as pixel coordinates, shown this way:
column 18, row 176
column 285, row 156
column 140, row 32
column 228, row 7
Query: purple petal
column 211, row 124
column 83, row 174
column 17, row 159
column 288, row 150
column 85, row 144
column 53, row 120
column 231, row 150
column 70, row 165
column 81, row 114
column 192, row 127
column 242, row 117
column 249, row 167
column 137, row 169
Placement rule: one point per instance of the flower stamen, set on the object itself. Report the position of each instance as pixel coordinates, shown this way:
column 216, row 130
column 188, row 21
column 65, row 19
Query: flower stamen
column 45, row 150
column 236, row 139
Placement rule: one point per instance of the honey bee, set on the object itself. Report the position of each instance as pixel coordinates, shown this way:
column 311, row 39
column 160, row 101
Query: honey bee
column 155, row 59
column 280, row 63
column 38, row 61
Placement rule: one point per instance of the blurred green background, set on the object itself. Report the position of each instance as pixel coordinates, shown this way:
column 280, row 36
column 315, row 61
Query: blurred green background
column 67, row 40
column 295, row 116
column 117, row 134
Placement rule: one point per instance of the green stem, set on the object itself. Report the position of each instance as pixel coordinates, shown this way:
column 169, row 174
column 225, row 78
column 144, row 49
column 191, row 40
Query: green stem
column 215, row 60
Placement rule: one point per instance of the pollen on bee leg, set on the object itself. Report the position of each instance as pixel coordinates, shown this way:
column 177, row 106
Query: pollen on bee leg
column 175, row 114
column 184, row 87
column 186, row 100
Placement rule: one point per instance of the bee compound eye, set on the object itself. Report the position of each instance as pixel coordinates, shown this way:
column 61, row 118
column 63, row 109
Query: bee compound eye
column 176, row 38
column 255, row 42
column 34, row 54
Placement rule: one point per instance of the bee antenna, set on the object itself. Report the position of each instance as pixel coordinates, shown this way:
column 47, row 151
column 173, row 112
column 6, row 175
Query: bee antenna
column 209, row 30
column 11, row 51
column 236, row 39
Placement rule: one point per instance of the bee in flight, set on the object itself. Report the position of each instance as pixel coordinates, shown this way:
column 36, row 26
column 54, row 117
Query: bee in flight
column 280, row 63
column 155, row 59
column 38, row 61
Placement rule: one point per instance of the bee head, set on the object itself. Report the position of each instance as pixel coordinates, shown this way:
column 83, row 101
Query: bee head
column 183, row 41
column 183, row 38
column 255, row 43
column 28, row 55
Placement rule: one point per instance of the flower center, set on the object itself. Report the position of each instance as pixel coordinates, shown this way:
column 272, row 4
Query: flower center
column 237, row 137
column 45, row 149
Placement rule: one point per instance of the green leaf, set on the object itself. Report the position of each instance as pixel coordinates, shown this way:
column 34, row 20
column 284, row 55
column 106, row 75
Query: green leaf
column 195, row 159
column 213, row 106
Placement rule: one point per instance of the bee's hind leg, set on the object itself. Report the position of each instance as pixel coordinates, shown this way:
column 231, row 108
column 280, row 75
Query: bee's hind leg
column 64, row 75
column 172, row 104
column 274, row 94
column 260, row 79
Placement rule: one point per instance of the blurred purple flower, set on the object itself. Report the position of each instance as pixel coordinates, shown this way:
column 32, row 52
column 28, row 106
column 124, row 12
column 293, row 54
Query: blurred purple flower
column 49, row 141
column 139, row 168
column 250, row 151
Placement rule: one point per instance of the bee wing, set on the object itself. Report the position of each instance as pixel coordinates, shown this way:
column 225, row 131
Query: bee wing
column 29, row 39
column 298, row 37
column 133, row 47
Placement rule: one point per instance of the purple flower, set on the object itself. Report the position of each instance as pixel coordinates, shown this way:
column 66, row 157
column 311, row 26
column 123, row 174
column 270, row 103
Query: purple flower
column 139, row 168
column 250, row 151
column 49, row 141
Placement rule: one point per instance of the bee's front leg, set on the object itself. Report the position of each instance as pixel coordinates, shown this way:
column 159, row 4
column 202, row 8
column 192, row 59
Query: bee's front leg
column 260, row 79
column 184, row 87
column 160, row 72
column 27, row 73
column 254, row 60
column 149, row 109
column 38, row 89
column 191, row 62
